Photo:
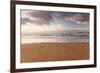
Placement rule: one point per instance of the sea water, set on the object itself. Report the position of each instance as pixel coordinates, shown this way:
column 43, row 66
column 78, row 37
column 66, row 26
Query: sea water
column 57, row 37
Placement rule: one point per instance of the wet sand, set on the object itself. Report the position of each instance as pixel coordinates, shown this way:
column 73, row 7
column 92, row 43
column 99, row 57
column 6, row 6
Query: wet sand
column 41, row 52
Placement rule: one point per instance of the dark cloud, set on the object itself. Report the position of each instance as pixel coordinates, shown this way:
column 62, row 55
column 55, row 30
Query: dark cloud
column 40, row 17
column 25, row 20
column 73, row 16
column 46, row 17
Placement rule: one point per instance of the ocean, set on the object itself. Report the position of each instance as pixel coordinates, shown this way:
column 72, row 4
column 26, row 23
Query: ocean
column 55, row 37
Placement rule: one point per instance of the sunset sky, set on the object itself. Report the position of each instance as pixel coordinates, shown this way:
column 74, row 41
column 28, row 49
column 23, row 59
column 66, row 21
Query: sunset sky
column 48, row 21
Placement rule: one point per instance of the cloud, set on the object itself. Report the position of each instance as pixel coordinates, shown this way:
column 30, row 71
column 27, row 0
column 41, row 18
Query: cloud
column 44, row 28
column 78, row 18
column 25, row 20
column 47, row 17
column 38, row 17
column 60, row 27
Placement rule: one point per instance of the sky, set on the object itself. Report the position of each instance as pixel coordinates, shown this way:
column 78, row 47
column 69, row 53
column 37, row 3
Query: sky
column 49, row 21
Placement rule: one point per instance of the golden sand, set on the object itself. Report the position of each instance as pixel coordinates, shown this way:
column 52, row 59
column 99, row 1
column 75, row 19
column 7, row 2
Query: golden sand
column 39, row 52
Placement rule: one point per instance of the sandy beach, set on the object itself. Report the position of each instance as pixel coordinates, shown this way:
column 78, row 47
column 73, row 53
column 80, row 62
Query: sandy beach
column 41, row 52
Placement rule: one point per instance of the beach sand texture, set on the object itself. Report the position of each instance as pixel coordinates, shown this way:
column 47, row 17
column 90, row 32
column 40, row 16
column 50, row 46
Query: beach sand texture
column 43, row 52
